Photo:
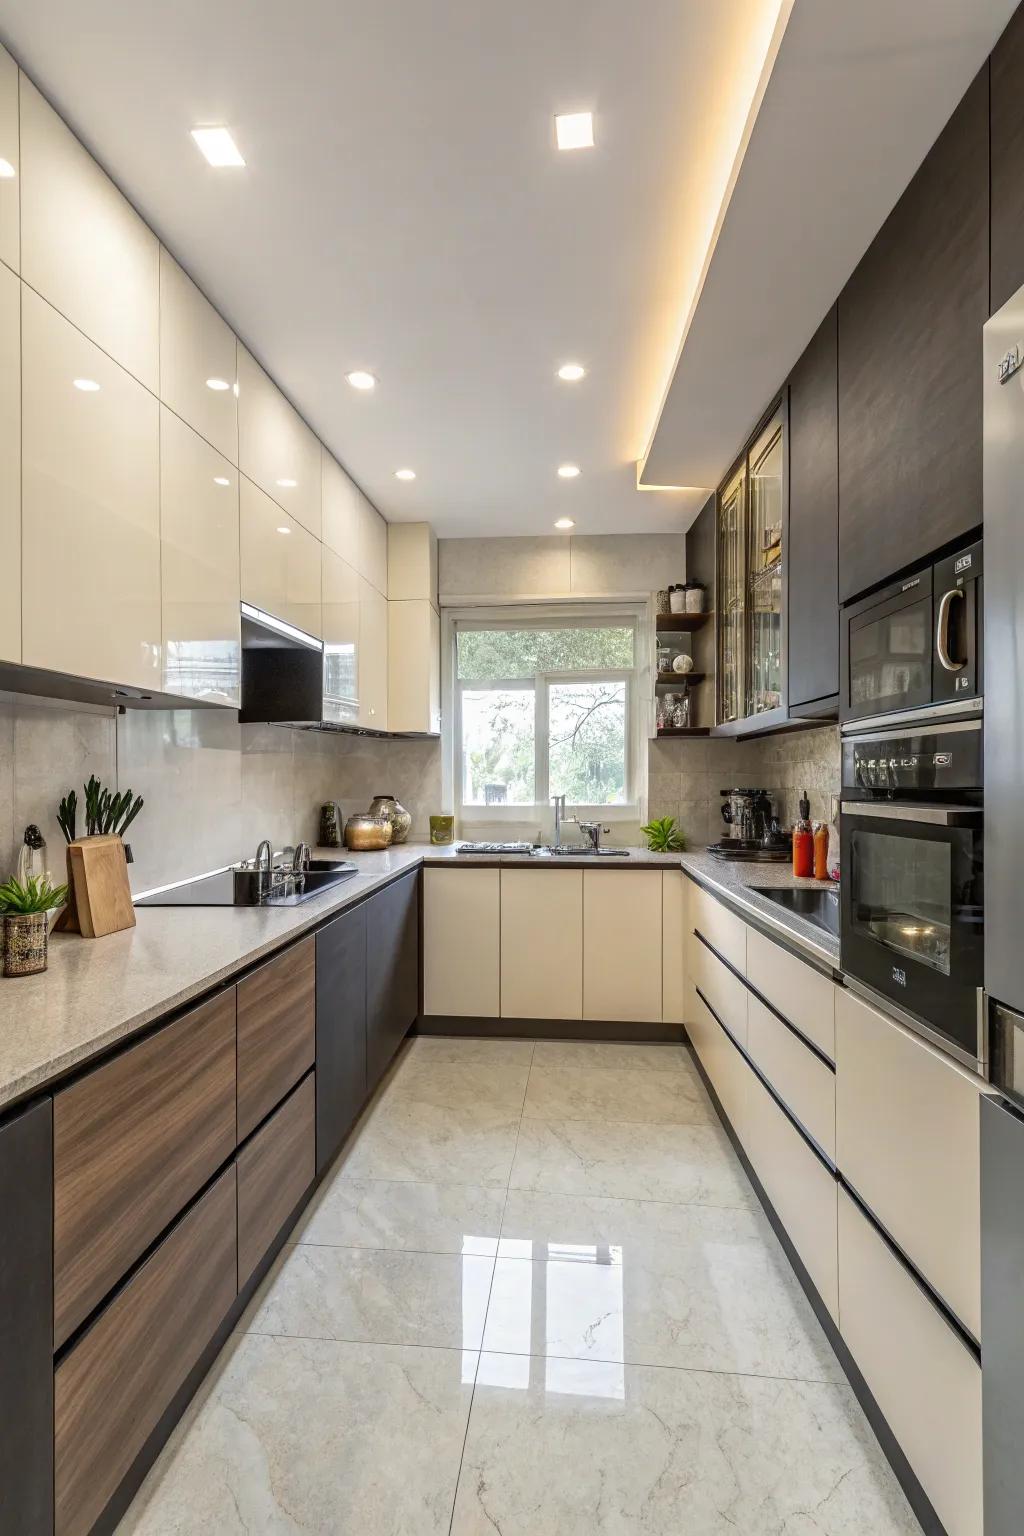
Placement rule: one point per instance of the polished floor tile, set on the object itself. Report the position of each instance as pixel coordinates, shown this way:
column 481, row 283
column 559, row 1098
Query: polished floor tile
column 408, row 1139
column 374, row 1296
column 424, row 1218
column 590, row 1053
column 493, row 1053
column 293, row 1435
column 455, row 1084
column 586, row 1092
column 570, row 1448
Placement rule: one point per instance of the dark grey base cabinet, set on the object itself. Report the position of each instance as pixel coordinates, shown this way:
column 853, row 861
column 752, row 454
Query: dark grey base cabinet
column 340, row 1030
column 392, row 971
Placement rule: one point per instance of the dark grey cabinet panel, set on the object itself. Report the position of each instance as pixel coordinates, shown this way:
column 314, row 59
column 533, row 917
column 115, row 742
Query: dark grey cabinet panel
column 910, row 322
column 340, row 1030
column 1002, row 1339
column 1007, row 64
column 26, row 1321
column 392, row 971
column 814, row 518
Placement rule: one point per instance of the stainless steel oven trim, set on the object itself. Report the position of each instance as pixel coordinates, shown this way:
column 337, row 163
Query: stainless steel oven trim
column 946, row 729
column 932, row 815
column 939, row 713
column 978, row 1064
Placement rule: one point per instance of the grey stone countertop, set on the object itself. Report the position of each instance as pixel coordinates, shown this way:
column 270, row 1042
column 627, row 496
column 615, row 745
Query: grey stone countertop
column 736, row 881
column 101, row 991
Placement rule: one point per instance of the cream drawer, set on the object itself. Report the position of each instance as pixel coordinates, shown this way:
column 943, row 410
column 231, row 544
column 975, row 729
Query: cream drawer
column 799, row 1186
column 723, row 930
column 801, row 1079
column 725, row 993
column 907, row 1140
column 723, row 1064
column 925, row 1381
column 801, row 994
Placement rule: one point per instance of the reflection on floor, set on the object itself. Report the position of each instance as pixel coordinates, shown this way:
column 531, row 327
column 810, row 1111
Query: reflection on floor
column 536, row 1297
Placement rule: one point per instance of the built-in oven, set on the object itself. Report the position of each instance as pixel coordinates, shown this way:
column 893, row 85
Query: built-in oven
column 915, row 646
column 912, row 895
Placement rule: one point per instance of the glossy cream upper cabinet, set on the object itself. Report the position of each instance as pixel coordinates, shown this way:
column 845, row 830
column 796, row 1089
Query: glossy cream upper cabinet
column 275, row 447
column 622, row 924
column 10, row 466
column 412, row 562
column 372, row 560
column 342, row 513
column 280, row 562
column 199, row 568
column 83, row 246
column 373, row 657
column 341, row 587
column 10, row 163
column 90, row 508
column 414, row 667
column 542, row 943
column 197, row 360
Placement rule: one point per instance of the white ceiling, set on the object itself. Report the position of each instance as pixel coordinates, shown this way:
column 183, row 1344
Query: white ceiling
column 404, row 210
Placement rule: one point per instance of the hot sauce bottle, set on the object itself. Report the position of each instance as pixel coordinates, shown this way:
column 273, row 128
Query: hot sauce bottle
column 803, row 841
column 821, row 850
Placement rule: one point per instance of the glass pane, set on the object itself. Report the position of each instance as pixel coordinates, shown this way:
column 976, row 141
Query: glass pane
column 731, row 600
column 765, row 574
column 902, row 895
column 587, row 742
column 891, row 659
column 505, row 654
column 497, row 746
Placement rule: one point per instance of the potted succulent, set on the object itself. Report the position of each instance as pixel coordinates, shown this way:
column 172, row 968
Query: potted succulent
column 663, row 836
column 25, row 911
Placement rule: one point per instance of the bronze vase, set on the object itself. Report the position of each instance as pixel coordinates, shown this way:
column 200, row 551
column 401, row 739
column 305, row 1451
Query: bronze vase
column 25, row 942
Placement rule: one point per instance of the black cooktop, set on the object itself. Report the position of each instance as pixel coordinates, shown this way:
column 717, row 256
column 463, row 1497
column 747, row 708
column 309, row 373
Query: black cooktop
column 218, row 890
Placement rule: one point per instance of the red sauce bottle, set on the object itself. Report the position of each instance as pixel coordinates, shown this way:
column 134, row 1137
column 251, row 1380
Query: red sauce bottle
column 803, row 842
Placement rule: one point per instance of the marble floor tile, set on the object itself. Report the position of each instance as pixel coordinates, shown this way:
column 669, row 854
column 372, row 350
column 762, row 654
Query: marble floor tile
column 292, row 1435
column 424, row 1218
column 374, row 1296
column 570, row 1448
column 679, row 1164
column 453, row 1084
column 617, row 1093
column 408, row 1139
column 591, row 1053
column 493, row 1053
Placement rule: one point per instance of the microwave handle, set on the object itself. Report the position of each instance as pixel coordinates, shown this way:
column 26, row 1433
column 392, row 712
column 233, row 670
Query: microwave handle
column 933, row 815
column 942, row 630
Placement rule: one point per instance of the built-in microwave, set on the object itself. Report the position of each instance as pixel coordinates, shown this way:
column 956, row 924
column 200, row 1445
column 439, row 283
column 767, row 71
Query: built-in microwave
column 915, row 645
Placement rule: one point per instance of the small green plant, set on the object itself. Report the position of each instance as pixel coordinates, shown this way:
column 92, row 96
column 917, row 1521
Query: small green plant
column 104, row 812
column 36, row 895
column 663, row 836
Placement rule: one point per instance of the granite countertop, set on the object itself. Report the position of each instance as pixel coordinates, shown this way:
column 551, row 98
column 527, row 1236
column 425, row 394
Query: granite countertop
column 736, row 882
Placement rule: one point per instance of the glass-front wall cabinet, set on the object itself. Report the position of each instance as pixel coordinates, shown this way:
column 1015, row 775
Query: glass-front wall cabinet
column 751, row 533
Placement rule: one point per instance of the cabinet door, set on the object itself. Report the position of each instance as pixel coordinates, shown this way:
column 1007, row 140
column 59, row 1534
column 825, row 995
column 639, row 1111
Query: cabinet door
column 10, row 200
column 280, row 562
column 373, row 546
column 275, row 1169
column 392, row 971
column 340, row 1030
column 90, row 508
column 412, row 562
column 341, row 639
column 197, row 360
column 542, row 943
column 10, row 457
column 673, row 946
column 373, row 657
column 414, row 667
column 814, row 518
column 722, row 1062
column 276, row 1031
column 910, row 385
column 275, row 447
column 83, row 246
column 342, row 513
column 622, row 944
column 26, row 1321
column 461, row 942
column 199, row 573
column 1007, row 63
column 111, row 1390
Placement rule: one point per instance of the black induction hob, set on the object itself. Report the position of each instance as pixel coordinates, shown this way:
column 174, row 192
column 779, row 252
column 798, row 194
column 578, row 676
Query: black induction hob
column 218, row 890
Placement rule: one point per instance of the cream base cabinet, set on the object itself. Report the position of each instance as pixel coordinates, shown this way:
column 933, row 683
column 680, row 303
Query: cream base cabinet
column 373, row 657
column 923, row 1378
column 414, row 667
column 90, row 508
column 10, row 462
column 280, row 562
column 461, row 942
column 673, row 946
column 542, row 943
column 622, row 945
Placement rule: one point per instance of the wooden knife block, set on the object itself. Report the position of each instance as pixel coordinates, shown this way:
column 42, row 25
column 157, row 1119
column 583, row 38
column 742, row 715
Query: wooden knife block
column 99, row 879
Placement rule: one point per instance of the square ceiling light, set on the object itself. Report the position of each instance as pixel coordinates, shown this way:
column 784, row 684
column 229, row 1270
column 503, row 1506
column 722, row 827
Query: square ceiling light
column 574, row 130
column 217, row 146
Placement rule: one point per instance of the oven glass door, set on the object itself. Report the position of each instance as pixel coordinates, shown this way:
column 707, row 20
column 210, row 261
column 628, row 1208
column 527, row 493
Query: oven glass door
column 889, row 656
column 912, row 916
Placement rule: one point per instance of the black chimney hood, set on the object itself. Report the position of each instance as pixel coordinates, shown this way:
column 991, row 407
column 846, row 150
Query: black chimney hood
column 282, row 672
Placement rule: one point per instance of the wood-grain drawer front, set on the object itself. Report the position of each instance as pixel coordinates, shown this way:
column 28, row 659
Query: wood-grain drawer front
column 799, row 1186
column 276, row 1031
column 725, row 993
column 723, row 930
column 132, row 1142
column 925, row 1381
column 112, row 1388
column 274, row 1171
column 908, row 1141
column 801, row 994
column 802, row 1080
column 724, row 1066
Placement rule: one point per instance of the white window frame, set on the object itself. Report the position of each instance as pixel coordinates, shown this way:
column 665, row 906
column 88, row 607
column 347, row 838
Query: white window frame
column 508, row 821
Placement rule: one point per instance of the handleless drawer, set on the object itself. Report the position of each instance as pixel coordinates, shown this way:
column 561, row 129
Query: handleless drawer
column 132, row 1142
column 276, row 1031
column 114, row 1385
column 802, row 1080
column 723, row 930
column 274, row 1171
column 722, row 1062
column 726, row 993
column 801, row 994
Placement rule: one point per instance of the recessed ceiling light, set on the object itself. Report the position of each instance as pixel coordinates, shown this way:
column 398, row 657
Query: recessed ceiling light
column 568, row 471
column 88, row 386
column 565, row 522
column 6, row 170
column 284, row 530
column 217, row 145
column 360, row 379
column 217, row 384
column 405, row 474
column 574, row 130
column 221, row 480
column 571, row 372
column 287, row 485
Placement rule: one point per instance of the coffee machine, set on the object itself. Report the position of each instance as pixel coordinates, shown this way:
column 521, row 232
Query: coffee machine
column 748, row 815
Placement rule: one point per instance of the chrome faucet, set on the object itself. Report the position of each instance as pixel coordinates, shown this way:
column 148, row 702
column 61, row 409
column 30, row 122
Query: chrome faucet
column 264, row 855
column 300, row 859
column 559, row 818
column 593, row 830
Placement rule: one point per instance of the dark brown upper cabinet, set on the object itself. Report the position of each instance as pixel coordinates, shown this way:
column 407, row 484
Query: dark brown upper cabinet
column 1007, row 63
column 814, row 520
column 910, row 322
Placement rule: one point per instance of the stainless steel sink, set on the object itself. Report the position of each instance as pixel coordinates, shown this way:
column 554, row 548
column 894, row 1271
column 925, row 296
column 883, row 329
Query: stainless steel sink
column 817, row 906
column 582, row 852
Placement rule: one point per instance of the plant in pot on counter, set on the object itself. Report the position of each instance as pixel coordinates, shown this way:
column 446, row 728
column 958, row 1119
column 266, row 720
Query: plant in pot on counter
column 25, row 911
column 663, row 836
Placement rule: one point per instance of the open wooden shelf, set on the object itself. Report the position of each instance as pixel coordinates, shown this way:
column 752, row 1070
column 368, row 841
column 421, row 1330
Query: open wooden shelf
column 679, row 623
column 684, row 730
column 675, row 679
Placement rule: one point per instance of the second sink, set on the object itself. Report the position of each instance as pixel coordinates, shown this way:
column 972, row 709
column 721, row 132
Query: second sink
column 817, row 906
